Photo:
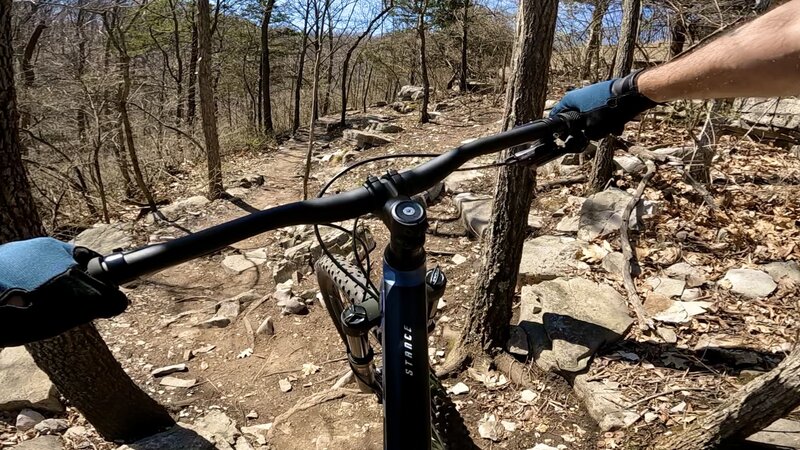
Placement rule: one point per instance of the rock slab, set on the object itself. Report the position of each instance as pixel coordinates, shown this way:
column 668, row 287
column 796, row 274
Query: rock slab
column 601, row 214
column 41, row 443
column 568, row 320
column 749, row 283
column 24, row 385
column 106, row 238
column 549, row 257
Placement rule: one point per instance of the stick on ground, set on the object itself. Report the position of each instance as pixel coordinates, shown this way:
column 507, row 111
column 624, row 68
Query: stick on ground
column 645, row 323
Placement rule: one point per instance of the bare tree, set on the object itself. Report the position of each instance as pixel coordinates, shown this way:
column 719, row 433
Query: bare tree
column 422, row 10
column 349, row 54
column 117, row 35
column 604, row 158
column 301, row 62
column 319, row 31
column 487, row 324
column 78, row 362
column 191, row 88
column 592, row 51
column 207, row 103
column 266, row 102
column 464, row 31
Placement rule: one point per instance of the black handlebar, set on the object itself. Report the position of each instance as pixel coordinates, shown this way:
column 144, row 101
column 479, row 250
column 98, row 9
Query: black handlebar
column 119, row 268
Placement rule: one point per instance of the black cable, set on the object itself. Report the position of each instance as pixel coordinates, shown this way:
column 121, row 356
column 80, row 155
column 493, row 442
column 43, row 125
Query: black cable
column 368, row 270
column 343, row 172
column 328, row 185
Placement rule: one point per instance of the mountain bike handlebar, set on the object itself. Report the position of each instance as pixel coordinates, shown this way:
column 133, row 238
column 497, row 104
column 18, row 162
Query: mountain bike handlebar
column 122, row 267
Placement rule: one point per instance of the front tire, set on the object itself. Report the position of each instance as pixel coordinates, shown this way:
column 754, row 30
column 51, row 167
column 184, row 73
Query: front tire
column 338, row 287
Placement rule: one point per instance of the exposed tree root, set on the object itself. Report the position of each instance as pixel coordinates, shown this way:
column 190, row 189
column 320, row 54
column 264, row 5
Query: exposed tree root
column 310, row 402
column 519, row 373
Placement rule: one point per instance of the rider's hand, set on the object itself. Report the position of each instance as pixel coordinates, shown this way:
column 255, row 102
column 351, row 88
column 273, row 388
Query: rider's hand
column 606, row 106
column 45, row 291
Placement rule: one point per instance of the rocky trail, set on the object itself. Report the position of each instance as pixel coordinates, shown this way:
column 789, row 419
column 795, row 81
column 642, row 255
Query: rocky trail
column 238, row 345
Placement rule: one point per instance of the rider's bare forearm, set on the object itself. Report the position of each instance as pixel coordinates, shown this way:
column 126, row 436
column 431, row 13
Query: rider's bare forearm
column 759, row 59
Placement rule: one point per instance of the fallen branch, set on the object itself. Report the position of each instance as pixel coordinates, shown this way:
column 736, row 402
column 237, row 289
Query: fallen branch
column 661, row 394
column 310, row 402
column 751, row 409
column 645, row 323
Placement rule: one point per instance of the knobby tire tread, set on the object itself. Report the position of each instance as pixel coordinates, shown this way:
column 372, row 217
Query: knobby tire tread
column 447, row 422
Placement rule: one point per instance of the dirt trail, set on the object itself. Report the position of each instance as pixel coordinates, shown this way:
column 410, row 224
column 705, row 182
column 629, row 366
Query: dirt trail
column 158, row 328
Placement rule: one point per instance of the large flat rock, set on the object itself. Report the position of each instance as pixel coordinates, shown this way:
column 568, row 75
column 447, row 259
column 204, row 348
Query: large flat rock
column 475, row 211
column 783, row 434
column 749, row 283
column 549, row 257
column 24, row 385
column 568, row 320
column 601, row 214
column 106, row 238
column 41, row 443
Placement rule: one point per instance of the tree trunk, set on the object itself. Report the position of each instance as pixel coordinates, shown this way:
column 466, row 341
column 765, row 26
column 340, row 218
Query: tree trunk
column 78, row 362
column 490, row 311
column 623, row 62
column 122, row 161
column 122, row 103
column 176, row 37
column 215, row 189
column 366, row 91
column 464, row 28
column 346, row 63
column 326, row 102
column 677, row 36
column 629, row 32
column 99, row 178
column 28, row 74
column 265, row 70
column 301, row 63
column 593, row 44
column 80, row 67
column 18, row 215
column 312, row 122
column 754, row 407
column 191, row 97
column 423, row 62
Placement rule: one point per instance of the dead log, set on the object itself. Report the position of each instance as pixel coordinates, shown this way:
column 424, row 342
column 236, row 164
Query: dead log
column 754, row 407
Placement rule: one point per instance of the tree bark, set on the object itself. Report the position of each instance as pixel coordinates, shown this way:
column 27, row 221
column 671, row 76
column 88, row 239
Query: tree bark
column 754, row 407
column 319, row 23
column 629, row 33
column 677, row 36
column 490, row 311
column 464, row 30
column 207, row 109
column 593, row 44
column 623, row 62
column 301, row 63
column 346, row 63
column 191, row 96
column 423, row 61
column 78, row 361
column 122, row 102
column 365, row 94
column 28, row 74
column 266, row 103
column 326, row 102
column 176, row 37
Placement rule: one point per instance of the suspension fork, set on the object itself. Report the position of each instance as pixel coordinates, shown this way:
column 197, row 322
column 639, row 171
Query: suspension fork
column 407, row 413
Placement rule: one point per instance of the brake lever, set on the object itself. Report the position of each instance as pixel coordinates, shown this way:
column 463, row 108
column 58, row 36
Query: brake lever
column 546, row 150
